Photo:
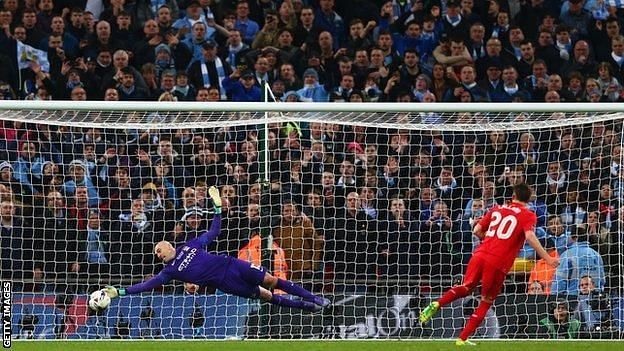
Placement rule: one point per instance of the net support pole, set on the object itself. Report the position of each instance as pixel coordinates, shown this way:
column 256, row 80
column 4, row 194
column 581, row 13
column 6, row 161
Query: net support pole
column 619, row 270
column 265, row 209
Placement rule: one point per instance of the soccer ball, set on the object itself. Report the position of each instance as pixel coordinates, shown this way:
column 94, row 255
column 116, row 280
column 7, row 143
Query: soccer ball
column 99, row 300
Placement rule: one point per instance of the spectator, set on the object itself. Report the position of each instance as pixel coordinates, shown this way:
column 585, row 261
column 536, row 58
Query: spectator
column 599, row 235
column 398, row 249
column 306, row 32
column 560, row 324
column 493, row 83
column 535, row 288
column 593, row 310
column 103, row 38
column 165, row 18
column 452, row 53
column 558, row 233
column 194, row 14
column 555, row 54
column 468, row 84
column 17, row 245
column 55, row 246
column 358, row 38
column 195, row 40
column 127, row 88
column 578, row 260
column 262, row 71
column 132, row 241
column 241, row 87
column 183, row 91
column 267, row 36
column 289, row 78
column 146, row 11
column 251, row 252
column 248, row 27
column 355, row 232
column 302, row 245
column 581, row 61
column 537, row 82
column 602, row 35
column 34, row 35
column 312, row 91
column 617, row 46
column 57, row 29
column 210, row 70
column 327, row 19
column 114, row 77
column 443, row 79
column 541, row 273
column 453, row 22
column 78, row 176
column 577, row 18
column 96, row 245
column 236, row 49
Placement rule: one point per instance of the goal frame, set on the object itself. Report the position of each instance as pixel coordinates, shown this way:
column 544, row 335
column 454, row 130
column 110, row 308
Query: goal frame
column 267, row 108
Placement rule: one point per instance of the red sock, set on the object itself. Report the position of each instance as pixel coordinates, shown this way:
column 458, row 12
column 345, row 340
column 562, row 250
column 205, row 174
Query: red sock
column 475, row 320
column 453, row 294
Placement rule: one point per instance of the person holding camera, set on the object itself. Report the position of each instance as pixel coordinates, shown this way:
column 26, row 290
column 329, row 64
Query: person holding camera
column 594, row 308
column 560, row 324
column 267, row 36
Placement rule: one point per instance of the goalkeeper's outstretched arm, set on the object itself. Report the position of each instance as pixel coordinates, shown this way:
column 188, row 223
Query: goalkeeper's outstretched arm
column 150, row 284
column 208, row 236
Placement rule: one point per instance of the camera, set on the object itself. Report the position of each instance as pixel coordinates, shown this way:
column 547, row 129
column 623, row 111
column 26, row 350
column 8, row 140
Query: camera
column 197, row 319
column 601, row 304
column 599, row 301
column 122, row 328
column 27, row 325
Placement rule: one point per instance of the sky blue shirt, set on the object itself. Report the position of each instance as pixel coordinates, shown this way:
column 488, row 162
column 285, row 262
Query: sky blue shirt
column 578, row 260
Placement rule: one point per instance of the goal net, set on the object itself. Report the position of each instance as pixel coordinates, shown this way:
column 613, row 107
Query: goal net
column 370, row 205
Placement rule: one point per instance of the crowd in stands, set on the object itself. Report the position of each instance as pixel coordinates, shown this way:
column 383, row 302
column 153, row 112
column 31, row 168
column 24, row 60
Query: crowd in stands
column 349, row 205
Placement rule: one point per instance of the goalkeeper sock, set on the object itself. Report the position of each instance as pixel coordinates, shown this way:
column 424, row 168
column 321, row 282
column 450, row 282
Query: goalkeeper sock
column 294, row 289
column 475, row 320
column 453, row 294
column 283, row 301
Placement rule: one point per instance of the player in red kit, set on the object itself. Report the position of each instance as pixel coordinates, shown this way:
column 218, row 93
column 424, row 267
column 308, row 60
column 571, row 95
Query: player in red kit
column 503, row 231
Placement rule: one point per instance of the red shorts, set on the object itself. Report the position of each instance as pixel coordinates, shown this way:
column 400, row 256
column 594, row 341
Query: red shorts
column 479, row 270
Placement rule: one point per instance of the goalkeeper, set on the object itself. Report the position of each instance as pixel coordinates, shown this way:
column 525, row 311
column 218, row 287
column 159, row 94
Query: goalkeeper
column 191, row 264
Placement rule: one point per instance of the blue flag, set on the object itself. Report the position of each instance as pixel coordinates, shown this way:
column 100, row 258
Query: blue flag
column 26, row 54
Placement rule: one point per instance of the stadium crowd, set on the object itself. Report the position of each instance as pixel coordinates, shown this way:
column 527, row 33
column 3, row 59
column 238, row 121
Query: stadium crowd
column 351, row 207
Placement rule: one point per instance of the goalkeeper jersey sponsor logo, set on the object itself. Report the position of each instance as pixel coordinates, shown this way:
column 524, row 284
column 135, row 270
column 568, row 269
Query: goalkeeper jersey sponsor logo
column 187, row 261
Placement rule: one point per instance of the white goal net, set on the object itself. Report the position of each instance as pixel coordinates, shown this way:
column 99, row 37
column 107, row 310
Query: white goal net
column 369, row 205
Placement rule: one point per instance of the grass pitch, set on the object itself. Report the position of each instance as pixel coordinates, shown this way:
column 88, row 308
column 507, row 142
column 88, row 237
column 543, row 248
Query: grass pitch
column 314, row 345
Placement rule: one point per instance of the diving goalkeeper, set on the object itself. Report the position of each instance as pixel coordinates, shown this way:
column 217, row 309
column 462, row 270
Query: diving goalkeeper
column 190, row 263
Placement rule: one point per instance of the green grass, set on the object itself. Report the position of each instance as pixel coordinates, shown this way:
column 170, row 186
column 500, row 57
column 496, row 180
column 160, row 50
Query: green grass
column 314, row 345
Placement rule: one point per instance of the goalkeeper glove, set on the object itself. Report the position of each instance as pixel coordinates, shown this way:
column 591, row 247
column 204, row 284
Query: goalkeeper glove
column 216, row 199
column 113, row 292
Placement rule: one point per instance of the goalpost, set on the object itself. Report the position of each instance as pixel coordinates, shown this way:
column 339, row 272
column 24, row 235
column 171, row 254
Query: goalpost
column 370, row 205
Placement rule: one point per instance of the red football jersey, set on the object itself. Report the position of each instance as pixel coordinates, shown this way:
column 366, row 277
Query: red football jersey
column 504, row 234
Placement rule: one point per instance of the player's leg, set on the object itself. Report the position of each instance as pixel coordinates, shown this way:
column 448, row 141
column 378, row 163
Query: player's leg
column 471, row 279
column 492, row 282
column 272, row 282
column 275, row 299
